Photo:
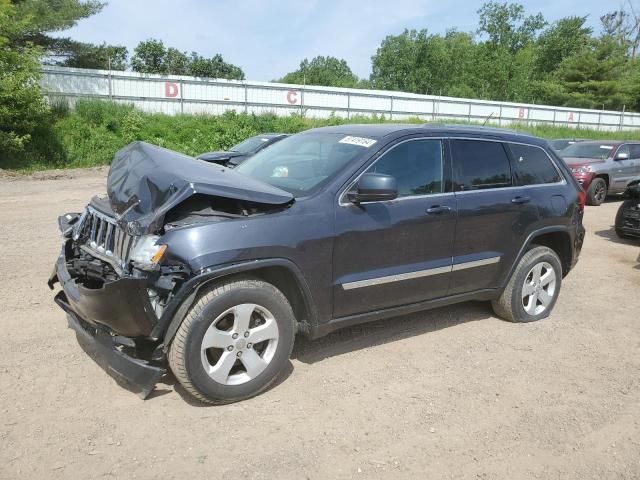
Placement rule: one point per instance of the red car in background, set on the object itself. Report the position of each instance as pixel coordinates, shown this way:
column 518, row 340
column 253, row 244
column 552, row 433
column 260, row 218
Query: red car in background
column 603, row 168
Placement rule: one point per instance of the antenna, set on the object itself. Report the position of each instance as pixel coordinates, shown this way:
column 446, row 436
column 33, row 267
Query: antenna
column 487, row 119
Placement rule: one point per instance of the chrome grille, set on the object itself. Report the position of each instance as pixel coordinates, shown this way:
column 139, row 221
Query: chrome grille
column 103, row 236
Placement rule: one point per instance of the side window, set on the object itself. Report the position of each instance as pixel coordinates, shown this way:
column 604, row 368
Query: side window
column 416, row 165
column 635, row 151
column 624, row 149
column 533, row 166
column 480, row 164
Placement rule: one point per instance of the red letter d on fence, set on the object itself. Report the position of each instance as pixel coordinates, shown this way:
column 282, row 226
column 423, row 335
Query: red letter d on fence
column 171, row 89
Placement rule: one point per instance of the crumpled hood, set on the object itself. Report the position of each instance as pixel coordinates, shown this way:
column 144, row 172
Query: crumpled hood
column 578, row 161
column 146, row 181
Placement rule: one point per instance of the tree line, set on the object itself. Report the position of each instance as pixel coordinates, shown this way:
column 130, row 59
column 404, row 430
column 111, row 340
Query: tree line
column 513, row 55
column 150, row 56
column 520, row 57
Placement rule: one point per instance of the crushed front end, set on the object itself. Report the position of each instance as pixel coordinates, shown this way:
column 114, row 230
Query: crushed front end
column 120, row 291
column 112, row 300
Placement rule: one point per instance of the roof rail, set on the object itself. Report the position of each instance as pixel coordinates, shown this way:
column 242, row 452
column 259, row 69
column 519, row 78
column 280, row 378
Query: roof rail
column 478, row 128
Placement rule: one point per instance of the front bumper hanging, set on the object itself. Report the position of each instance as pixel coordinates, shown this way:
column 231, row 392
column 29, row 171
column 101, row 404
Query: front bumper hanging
column 121, row 305
column 92, row 312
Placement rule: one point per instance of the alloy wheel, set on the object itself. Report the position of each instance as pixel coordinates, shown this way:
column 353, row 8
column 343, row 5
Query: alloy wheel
column 239, row 344
column 539, row 288
column 600, row 193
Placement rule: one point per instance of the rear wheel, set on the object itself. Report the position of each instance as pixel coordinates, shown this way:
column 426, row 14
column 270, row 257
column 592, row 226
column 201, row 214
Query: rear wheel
column 597, row 192
column 234, row 342
column 533, row 288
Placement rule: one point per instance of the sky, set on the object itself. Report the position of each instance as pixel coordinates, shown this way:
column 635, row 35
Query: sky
column 268, row 39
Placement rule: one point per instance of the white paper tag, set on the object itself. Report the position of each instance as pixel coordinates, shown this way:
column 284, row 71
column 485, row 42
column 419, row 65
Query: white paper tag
column 359, row 141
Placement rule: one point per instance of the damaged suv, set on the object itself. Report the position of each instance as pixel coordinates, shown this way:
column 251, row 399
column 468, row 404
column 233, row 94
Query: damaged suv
column 211, row 272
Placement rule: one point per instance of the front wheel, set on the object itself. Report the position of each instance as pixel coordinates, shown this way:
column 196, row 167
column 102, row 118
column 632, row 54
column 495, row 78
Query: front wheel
column 234, row 342
column 597, row 192
column 533, row 288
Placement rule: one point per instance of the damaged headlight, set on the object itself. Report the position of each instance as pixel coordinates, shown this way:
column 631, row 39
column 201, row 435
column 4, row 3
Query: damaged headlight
column 146, row 252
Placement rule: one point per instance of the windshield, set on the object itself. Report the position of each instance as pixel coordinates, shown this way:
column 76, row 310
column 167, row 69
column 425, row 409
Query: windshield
column 250, row 145
column 301, row 163
column 560, row 144
column 588, row 150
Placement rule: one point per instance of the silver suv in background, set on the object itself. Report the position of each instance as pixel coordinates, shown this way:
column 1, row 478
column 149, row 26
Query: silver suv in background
column 603, row 168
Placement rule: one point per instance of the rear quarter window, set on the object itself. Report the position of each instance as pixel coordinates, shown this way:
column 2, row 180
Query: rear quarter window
column 532, row 166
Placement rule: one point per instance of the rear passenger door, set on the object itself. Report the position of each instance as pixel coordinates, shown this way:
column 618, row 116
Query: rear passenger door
column 495, row 214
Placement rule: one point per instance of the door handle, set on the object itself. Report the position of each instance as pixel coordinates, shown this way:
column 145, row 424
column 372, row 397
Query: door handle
column 438, row 209
column 520, row 200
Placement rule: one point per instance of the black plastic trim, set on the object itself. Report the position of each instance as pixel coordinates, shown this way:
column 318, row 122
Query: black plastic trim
column 177, row 309
column 317, row 331
column 122, row 305
column 136, row 375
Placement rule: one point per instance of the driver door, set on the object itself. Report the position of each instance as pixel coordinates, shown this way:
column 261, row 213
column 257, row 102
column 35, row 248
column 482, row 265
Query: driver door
column 395, row 252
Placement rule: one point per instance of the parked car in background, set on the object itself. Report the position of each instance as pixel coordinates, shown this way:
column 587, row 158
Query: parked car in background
column 245, row 149
column 603, row 168
column 211, row 272
column 628, row 217
column 562, row 143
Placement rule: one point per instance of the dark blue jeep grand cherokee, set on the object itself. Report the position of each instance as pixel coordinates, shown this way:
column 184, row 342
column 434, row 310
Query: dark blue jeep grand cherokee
column 212, row 271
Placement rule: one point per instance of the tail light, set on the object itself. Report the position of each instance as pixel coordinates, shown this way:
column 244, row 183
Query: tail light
column 582, row 200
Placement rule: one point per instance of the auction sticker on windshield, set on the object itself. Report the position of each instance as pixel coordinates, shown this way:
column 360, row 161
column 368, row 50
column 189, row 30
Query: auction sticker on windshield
column 359, row 141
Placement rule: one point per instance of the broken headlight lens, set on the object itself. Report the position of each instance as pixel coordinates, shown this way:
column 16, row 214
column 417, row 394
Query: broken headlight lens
column 147, row 252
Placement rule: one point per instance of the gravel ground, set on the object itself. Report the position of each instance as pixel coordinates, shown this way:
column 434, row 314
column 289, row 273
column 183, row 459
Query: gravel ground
column 450, row 393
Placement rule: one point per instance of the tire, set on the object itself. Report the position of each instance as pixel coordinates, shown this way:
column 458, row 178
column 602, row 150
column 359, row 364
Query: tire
column 620, row 221
column 512, row 304
column 597, row 192
column 621, row 234
column 219, row 319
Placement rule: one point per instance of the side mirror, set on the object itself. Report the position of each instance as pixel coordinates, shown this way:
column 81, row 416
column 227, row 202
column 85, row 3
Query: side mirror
column 622, row 156
column 374, row 187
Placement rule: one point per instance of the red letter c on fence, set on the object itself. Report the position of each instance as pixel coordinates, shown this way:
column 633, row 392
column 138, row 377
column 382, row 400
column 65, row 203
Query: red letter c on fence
column 292, row 97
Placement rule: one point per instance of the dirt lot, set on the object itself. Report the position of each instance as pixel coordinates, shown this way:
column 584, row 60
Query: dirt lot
column 450, row 393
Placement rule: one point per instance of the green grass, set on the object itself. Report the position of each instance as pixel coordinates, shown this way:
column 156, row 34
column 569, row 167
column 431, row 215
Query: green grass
column 90, row 134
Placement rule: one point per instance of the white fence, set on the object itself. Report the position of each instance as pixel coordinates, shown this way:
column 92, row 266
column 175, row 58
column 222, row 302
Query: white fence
column 180, row 94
